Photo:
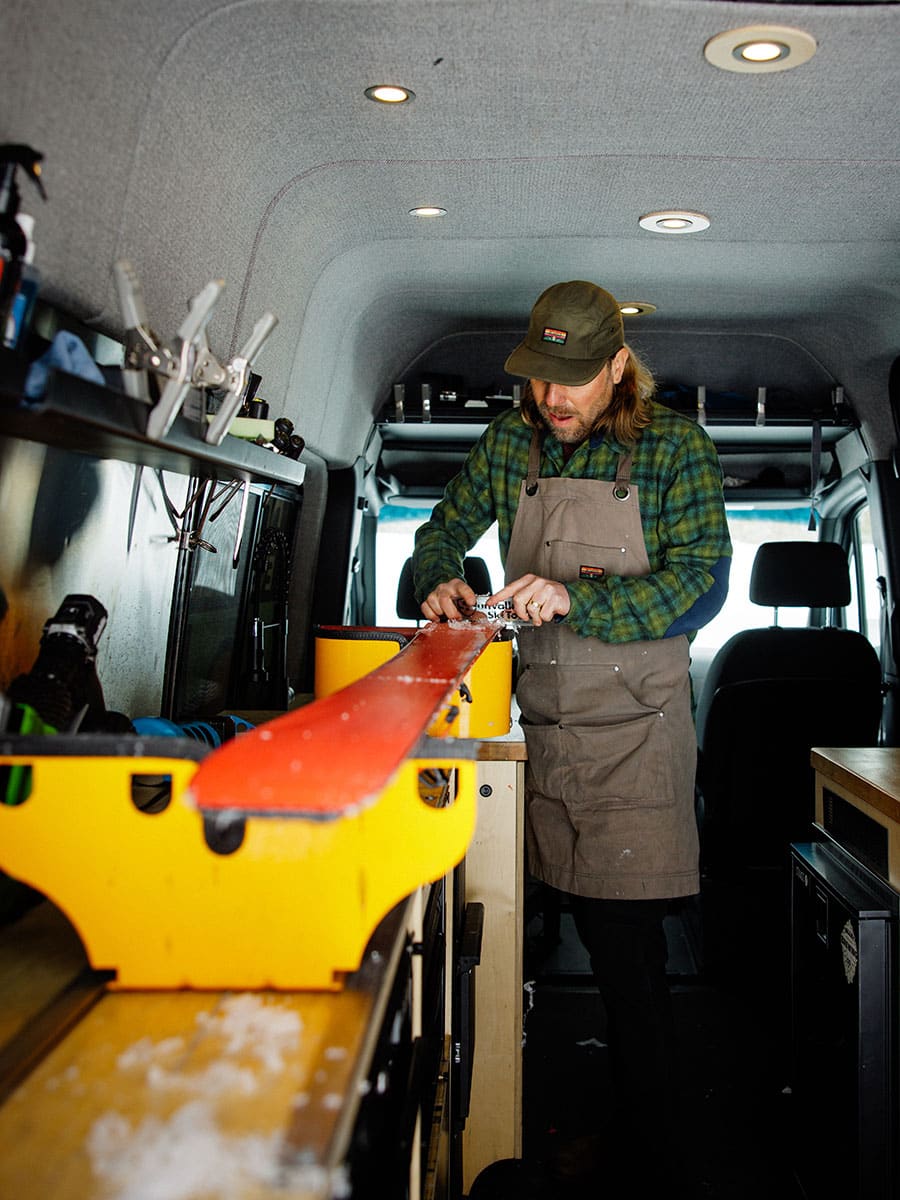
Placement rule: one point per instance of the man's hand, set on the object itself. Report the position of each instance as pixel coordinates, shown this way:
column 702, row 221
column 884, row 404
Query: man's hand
column 442, row 601
column 535, row 599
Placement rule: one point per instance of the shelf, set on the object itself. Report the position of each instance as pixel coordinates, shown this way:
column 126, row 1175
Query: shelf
column 727, row 434
column 90, row 419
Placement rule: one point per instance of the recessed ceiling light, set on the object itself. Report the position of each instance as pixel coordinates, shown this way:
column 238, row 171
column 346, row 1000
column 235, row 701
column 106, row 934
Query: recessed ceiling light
column 428, row 210
column 760, row 48
column 636, row 308
column 674, row 221
column 389, row 93
column 761, row 52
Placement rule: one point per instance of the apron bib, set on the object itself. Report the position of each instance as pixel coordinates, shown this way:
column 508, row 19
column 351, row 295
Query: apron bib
column 611, row 742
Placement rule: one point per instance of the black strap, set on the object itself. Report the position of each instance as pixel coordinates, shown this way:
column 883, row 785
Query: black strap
column 815, row 471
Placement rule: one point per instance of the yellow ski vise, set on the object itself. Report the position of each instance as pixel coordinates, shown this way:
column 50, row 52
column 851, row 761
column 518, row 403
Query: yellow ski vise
column 283, row 901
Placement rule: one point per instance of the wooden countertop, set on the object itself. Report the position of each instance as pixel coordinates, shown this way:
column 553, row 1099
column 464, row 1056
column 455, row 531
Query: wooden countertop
column 508, row 748
column 870, row 772
column 500, row 751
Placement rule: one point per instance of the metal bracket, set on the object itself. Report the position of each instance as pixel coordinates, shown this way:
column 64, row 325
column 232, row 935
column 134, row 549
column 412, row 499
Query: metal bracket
column 399, row 397
column 760, row 406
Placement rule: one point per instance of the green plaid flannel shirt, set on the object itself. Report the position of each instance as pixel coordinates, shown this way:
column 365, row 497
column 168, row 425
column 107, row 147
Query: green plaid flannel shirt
column 679, row 478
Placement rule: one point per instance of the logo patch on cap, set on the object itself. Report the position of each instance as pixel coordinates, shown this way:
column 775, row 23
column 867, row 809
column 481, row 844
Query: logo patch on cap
column 559, row 336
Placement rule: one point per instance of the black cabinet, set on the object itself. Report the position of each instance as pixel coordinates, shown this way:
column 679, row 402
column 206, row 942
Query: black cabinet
column 844, row 1026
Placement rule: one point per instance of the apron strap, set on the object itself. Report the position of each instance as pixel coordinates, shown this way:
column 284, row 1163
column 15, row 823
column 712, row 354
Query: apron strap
column 534, row 464
column 622, row 490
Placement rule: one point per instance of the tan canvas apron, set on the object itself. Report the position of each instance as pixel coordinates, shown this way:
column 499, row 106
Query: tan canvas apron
column 611, row 741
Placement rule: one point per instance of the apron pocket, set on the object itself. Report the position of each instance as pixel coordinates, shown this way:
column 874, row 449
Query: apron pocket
column 611, row 766
column 597, row 695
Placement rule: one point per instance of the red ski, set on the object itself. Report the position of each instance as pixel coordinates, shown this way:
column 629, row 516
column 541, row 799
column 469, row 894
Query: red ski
column 337, row 754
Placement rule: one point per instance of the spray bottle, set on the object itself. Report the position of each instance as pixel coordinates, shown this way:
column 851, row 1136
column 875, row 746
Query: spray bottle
column 29, row 285
column 13, row 239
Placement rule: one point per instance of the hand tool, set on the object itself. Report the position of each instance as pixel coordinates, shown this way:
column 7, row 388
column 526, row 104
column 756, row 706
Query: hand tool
column 503, row 614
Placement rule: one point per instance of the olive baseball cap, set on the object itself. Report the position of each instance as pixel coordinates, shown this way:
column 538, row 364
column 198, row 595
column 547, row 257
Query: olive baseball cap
column 574, row 328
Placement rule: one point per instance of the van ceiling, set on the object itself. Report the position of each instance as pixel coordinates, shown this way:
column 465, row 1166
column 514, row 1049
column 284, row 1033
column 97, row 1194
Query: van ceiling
column 203, row 139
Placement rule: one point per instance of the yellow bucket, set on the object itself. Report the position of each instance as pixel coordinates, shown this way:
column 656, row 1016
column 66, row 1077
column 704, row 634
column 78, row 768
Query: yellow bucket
column 346, row 653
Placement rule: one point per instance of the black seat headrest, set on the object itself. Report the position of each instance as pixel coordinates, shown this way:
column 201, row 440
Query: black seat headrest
column 800, row 574
column 476, row 574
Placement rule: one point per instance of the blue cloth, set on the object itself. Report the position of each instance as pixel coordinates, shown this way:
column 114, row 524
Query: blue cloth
column 68, row 353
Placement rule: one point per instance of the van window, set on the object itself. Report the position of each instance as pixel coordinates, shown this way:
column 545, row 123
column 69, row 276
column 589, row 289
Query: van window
column 750, row 524
column 864, row 610
column 397, row 524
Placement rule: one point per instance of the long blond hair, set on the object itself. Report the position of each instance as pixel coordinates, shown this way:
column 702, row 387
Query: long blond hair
column 629, row 410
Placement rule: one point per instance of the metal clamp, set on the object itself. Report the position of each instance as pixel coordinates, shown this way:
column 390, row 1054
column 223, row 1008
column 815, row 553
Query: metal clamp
column 235, row 377
column 187, row 361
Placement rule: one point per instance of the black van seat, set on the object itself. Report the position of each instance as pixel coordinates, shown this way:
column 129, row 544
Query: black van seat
column 476, row 575
column 769, row 696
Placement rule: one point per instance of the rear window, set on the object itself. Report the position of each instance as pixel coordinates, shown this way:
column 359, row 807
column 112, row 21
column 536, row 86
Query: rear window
column 750, row 525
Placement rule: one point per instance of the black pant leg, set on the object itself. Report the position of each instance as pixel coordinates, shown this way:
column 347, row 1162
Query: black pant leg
column 627, row 946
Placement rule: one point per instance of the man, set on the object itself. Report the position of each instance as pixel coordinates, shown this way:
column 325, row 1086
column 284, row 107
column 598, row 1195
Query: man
column 615, row 544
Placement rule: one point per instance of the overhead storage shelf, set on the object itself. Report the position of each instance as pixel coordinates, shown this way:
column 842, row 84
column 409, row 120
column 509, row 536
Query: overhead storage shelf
column 750, row 391
column 782, row 434
column 85, row 417
column 430, row 415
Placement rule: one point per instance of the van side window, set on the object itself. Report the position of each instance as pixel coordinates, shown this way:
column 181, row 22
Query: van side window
column 751, row 524
column 394, row 540
column 864, row 610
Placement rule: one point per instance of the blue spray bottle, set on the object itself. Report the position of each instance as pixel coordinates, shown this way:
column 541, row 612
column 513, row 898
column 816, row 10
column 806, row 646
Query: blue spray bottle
column 13, row 239
column 29, row 285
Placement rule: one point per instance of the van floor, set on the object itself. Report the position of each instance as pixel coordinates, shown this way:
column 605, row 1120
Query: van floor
column 733, row 1044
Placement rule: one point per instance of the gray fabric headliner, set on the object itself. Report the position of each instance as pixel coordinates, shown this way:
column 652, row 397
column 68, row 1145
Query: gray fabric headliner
column 203, row 139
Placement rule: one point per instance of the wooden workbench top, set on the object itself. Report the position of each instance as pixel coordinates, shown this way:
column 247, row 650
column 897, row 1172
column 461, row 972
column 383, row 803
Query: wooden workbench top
column 870, row 772
column 245, row 1095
